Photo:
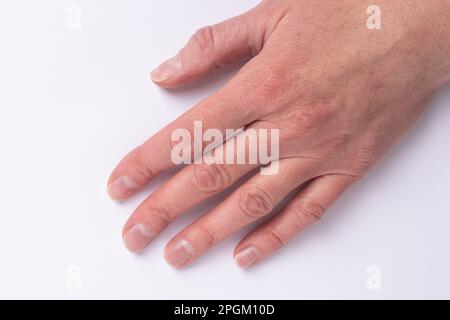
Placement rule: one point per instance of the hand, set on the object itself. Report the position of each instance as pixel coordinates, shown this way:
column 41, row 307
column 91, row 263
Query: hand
column 340, row 95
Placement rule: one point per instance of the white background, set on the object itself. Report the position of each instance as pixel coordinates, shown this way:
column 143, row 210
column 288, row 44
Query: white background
column 73, row 102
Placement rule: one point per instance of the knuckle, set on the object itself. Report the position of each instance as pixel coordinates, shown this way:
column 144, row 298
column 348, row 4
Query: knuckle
column 308, row 212
column 142, row 165
column 271, row 85
column 211, row 177
column 207, row 235
column 162, row 215
column 204, row 39
column 308, row 119
column 313, row 117
column 276, row 239
column 255, row 202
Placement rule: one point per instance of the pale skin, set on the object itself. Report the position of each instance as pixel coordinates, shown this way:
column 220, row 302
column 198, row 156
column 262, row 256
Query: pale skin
column 340, row 94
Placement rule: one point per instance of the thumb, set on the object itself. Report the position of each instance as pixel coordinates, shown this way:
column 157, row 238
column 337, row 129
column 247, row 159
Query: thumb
column 210, row 48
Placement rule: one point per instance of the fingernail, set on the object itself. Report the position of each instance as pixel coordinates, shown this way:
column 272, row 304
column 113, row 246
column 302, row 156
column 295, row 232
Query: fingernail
column 180, row 253
column 246, row 257
column 137, row 237
column 167, row 70
column 121, row 188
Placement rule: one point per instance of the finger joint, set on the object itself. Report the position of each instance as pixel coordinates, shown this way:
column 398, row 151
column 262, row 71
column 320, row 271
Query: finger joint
column 211, row 177
column 255, row 202
column 308, row 212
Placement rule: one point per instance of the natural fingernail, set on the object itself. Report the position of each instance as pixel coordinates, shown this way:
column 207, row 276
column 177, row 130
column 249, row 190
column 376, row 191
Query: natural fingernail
column 167, row 70
column 180, row 253
column 246, row 257
column 137, row 237
column 121, row 188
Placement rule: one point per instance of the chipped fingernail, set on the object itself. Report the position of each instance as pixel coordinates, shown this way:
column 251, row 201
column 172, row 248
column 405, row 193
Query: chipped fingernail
column 180, row 253
column 246, row 257
column 121, row 188
column 167, row 70
column 138, row 237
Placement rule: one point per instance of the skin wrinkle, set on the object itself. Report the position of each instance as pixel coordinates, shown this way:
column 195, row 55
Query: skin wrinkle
column 340, row 95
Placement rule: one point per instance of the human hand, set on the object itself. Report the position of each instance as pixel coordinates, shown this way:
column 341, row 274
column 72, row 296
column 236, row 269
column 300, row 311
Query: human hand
column 340, row 95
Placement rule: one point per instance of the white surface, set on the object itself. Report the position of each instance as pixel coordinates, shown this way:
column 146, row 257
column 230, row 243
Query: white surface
column 73, row 102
